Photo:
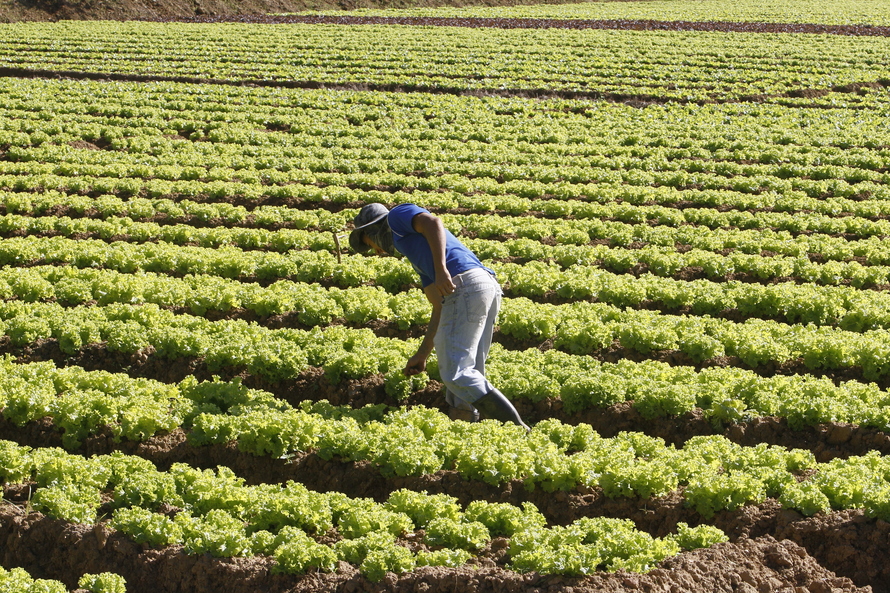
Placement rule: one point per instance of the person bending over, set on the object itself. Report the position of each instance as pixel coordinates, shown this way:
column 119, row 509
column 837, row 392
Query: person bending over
column 465, row 298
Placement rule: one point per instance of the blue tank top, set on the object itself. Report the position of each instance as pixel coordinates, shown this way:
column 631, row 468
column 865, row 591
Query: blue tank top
column 414, row 246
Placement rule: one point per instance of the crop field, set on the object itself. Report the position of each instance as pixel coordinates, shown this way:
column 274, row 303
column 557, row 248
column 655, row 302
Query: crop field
column 687, row 205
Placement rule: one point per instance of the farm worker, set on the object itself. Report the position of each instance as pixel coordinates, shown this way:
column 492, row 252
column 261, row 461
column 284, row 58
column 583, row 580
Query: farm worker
column 465, row 298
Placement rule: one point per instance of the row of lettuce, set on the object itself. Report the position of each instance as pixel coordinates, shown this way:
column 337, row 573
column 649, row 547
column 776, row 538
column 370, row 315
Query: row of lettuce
column 724, row 394
column 670, row 65
column 213, row 511
column 259, row 151
column 177, row 132
column 41, row 159
column 862, row 218
column 578, row 328
column 838, row 244
column 617, row 246
column 312, row 304
column 322, row 260
column 861, row 13
column 711, row 472
column 20, row 581
column 350, row 132
column 127, row 323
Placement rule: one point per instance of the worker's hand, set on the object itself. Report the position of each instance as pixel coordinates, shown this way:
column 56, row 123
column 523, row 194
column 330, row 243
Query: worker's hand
column 444, row 284
column 416, row 365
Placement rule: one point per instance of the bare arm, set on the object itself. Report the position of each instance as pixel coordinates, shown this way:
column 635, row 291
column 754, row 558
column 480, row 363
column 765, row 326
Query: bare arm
column 417, row 363
column 433, row 230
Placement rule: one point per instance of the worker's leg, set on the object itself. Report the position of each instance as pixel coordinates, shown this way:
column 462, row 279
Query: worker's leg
column 463, row 342
column 485, row 340
column 463, row 337
column 460, row 409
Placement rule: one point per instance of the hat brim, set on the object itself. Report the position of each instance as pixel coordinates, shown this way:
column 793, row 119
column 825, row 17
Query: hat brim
column 356, row 237
column 373, row 222
column 356, row 241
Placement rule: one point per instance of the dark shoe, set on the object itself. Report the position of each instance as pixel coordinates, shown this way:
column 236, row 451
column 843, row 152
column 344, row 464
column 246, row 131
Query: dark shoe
column 462, row 414
column 495, row 405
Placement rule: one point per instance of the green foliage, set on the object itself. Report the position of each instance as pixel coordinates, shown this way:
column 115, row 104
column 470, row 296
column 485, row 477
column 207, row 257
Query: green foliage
column 505, row 519
column 15, row 464
column 17, row 580
column 376, row 553
column 701, row 536
column 139, row 484
column 291, row 505
column 222, row 516
column 422, row 507
column 81, row 402
column 145, row 526
column 673, row 400
column 588, row 545
column 711, row 493
column 70, row 502
column 216, row 532
column 444, row 557
column 470, row 535
column 806, row 497
column 393, row 558
column 297, row 553
column 263, row 542
column 365, row 517
column 354, row 550
column 104, row 582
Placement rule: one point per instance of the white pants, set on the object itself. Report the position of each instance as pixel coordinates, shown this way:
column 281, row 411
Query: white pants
column 463, row 338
